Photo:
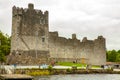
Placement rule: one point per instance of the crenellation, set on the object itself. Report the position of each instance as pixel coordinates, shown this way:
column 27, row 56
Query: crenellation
column 20, row 11
column 53, row 34
column 46, row 13
column 84, row 39
column 14, row 10
column 41, row 17
column 74, row 36
column 17, row 11
column 30, row 17
column 100, row 37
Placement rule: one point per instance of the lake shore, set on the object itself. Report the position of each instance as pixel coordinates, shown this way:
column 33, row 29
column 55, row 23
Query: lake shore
column 38, row 72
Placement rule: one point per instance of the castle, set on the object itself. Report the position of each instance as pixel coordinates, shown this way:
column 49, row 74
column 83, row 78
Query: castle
column 32, row 43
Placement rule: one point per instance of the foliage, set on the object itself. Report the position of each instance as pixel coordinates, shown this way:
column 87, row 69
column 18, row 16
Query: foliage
column 2, row 57
column 113, row 56
column 4, row 46
column 38, row 73
column 95, row 66
column 50, row 68
column 68, row 70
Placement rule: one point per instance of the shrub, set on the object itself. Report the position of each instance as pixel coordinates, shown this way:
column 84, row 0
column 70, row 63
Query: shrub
column 68, row 70
column 50, row 68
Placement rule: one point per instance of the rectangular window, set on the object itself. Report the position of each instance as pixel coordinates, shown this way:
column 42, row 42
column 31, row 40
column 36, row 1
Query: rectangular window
column 43, row 39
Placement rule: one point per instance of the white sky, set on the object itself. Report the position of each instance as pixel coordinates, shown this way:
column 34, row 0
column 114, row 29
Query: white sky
column 86, row 18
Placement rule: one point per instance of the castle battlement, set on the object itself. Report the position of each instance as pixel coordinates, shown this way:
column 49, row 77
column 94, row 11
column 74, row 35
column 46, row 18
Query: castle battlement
column 30, row 21
column 55, row 35
column 21, row 11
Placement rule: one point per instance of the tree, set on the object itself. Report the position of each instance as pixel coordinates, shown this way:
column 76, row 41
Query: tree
column 118, row 57
column 4, row 46
column 2, row 57
column 113, row 56
column 118, row 51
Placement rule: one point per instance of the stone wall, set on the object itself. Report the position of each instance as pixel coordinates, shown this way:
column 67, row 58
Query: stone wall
column 30, row 57
column 85, row 51
column 99, row 55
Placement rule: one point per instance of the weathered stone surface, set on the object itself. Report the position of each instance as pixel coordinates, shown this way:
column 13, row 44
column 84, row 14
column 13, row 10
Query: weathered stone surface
column 88, row 51
column 31, row 37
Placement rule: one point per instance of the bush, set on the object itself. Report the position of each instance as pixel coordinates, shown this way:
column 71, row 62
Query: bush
column 68, row 70
column 38, row 73
column 74, row 67
column 50, row 68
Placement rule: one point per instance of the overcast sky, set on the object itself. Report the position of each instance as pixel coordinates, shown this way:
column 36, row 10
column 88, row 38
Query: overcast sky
column 86, row 18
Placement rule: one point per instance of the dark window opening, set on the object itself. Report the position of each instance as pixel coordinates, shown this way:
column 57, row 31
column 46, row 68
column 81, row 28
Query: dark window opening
column 43, row 39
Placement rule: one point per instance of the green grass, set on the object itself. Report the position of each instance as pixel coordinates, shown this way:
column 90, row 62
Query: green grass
column 76, row 64
column 71, row 64
column 95, row 67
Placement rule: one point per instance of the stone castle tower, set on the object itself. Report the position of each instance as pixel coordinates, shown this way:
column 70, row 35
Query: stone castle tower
column 29, row 40
column 32, row 43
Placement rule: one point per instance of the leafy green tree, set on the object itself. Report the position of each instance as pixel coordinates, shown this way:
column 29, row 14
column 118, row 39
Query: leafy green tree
column 113, row 56
column 2, row 57
column 107, row 55
column 118, row 51
column 4, row 46
column 118, row 57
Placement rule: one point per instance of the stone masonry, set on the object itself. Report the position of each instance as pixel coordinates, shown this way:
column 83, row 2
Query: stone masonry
column 29, row 42
column 32, row 43
column 85, row 51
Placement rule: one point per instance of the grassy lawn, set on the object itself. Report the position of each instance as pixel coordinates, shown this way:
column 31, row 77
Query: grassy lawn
column 76, row 64
column 95, row 67
column 71, row 64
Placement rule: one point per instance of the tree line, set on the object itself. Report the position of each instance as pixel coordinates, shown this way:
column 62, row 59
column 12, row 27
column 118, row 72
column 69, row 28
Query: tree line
column 111, row 55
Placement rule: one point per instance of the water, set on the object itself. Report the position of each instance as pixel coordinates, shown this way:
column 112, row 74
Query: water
column 80, row 77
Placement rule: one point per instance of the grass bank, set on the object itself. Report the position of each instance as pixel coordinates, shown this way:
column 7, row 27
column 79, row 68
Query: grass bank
column 40, row 72
column 33, row 71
